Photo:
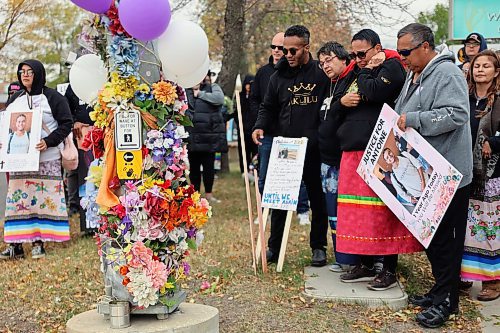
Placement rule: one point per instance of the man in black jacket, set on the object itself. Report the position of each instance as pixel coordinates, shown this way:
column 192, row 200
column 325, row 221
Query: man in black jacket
column 291, row 106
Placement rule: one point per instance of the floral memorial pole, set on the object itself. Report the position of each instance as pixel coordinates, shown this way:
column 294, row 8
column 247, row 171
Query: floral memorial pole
column 147, row 216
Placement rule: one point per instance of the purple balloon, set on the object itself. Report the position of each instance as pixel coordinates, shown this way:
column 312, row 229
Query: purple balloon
column 144, row 20
column 94, row 6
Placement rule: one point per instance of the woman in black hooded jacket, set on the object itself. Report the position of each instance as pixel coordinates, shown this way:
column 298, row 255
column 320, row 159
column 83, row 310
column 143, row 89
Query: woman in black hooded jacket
column 35, row 206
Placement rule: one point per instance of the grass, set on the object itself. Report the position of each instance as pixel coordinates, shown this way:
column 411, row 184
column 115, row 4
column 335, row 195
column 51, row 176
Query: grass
column 40, row 296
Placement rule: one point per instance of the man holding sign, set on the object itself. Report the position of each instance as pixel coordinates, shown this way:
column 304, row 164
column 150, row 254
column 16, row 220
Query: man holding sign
column 293, row 99
column 434, row 101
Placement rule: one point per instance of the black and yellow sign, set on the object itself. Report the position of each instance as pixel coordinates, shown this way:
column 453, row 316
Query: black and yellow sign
column 129, row 164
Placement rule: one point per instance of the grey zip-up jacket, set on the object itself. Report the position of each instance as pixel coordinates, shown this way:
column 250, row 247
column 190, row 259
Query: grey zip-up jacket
column 438, row 108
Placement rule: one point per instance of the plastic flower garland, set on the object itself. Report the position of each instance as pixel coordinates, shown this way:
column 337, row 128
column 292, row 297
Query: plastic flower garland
column 145, row 237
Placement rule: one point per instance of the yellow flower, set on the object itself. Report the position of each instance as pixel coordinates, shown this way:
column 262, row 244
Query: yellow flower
column 164, row 92
column 144, row 88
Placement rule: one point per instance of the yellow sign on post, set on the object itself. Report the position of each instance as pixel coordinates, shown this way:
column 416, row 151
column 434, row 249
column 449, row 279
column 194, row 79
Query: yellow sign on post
column 129, row 164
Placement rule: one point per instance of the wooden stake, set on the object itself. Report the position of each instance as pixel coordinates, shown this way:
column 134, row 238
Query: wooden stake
column 245, row 169
column 265, row 215
column 261, row 224
column 284, row 240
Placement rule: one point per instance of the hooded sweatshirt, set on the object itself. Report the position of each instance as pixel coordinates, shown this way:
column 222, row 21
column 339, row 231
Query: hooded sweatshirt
column 293, row 99
column 376, row 87
column 54, row 107
column 437, row 106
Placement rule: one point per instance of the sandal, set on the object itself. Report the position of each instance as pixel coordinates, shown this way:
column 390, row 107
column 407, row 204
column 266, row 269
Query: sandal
column 487, row 295
column 435, row 316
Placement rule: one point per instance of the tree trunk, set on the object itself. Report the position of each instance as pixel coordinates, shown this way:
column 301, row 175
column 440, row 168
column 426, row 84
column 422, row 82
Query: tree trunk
column 232, row 56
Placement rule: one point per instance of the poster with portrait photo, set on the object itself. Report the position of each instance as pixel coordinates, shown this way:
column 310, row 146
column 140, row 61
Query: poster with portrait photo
column 409, row 175
column 284, row 173
column 20, row 131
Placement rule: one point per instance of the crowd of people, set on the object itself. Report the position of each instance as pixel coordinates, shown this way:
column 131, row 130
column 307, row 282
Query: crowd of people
column 455, row 108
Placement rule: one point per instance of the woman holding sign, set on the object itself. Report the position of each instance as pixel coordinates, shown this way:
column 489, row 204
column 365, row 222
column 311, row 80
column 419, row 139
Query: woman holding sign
column 36, row 208
column 481, row 259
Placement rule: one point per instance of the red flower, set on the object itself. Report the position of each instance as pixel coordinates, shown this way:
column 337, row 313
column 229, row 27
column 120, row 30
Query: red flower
column 125, row 281
column 123, row 270
column 94, row 140
column 183, row 211
column 145, row 152
column 155, row 207
column 114, row 183
column 115, row 25
column 120, row 211
column 166, row 185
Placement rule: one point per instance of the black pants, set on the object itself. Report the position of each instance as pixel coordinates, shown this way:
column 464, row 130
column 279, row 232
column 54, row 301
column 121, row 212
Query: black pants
column 75, row 179
column 196, row 160
column 319, row 221
column 446, row 249
column 250, row 151
column 390, row 262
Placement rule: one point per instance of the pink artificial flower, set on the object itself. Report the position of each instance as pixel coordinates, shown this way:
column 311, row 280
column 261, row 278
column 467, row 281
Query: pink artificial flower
column 158, row 273
column 141, row 255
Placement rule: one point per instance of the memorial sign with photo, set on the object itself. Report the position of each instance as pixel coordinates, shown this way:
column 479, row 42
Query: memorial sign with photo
column 20, row 131
column 284, row 173
column 409, row 175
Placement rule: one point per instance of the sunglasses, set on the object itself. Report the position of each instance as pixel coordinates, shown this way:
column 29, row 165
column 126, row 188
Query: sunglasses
column 293, row 51
column 327, row 61
column 28, row 72
column 407, row 52
column 279, row 47
column 361, row 54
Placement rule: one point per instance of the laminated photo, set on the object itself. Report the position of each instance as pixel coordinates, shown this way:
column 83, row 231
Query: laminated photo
column 409, row 175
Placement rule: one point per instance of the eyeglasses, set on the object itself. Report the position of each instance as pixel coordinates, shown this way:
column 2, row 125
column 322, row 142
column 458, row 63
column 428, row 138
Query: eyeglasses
column 279, row 47
column 472, row 44
column 361, row 54
column 28, row 72
column 293, row 50
column 327, row 61
column 407, row 52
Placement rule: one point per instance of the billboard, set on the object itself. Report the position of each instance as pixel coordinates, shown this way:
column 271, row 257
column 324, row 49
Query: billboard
column 468, row 16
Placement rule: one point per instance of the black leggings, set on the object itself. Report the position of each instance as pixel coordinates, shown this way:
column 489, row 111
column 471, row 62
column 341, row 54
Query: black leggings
column 207, row 160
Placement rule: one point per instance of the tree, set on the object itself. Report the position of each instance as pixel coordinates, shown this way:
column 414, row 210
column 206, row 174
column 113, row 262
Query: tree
column 437, row 20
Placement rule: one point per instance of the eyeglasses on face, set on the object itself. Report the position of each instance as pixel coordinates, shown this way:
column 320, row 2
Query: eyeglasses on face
column 328, row 60
column 28, row 72
column 279, row 47
column 361, row 54
column 407, row 52
column 293, row 51
column 472, row 44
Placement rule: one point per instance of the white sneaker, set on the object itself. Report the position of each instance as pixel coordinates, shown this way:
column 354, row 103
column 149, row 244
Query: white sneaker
column 304, row 218
column 340, row 268
column 213, row 199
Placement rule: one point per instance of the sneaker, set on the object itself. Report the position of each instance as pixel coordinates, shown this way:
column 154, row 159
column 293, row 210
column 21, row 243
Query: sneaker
column 304, row 218
column 383, row 281
column 360, row 273
column 434, row 316
column 37, row 252
column 13, row 251
column 213, row 199
column 378, row 266
column 340, row 268
column 271, row 257
column 318, row 258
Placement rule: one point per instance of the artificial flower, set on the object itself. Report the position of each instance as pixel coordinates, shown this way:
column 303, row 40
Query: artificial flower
column 164, row 92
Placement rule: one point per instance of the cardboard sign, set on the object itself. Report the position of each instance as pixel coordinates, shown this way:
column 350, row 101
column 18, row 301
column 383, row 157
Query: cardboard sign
column 409, row 175
column 128, row 130
column 129, row 164
column 284, row 173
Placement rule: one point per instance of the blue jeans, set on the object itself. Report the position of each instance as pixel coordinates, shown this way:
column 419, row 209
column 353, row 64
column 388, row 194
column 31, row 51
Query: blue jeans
column 330, row 180
column 264, row 155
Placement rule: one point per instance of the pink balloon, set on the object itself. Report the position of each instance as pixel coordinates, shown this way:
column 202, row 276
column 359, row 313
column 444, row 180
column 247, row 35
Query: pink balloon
column 94, row 6
column 144, row 20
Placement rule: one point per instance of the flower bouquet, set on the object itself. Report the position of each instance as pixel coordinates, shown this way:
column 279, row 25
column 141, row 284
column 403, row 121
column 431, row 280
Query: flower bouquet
column 146, row 226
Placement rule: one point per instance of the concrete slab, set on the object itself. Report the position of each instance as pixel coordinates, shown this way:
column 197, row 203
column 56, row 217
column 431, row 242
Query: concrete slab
column 191, row 318
column 489, row 310
column 324, row 284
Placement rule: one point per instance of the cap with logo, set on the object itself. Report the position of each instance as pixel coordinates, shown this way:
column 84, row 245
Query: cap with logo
column 473, row 37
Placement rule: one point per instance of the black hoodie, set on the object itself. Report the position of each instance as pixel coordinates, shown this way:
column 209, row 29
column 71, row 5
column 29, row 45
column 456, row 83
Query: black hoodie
column 293, row 99
column 259, row 88
column 57, row 103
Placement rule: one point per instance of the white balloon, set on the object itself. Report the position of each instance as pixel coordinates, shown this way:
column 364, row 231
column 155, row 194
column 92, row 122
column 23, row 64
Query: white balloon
column 87, row 76
column 191, row 79
column 182, row 47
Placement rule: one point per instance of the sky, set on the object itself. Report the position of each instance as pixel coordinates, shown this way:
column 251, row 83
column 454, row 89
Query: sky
column 388, row 34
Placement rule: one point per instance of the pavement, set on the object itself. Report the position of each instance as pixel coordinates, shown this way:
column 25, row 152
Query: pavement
column 323, row 284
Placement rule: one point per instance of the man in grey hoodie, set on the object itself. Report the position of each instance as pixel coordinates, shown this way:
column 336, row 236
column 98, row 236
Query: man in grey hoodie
column 434, row 101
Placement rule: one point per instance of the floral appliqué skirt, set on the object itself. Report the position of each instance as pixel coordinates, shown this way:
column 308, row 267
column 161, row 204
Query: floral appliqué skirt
column 36, row 207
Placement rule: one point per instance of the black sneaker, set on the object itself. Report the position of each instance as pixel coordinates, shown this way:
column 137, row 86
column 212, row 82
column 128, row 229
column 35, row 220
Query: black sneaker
column 360, row 273
column 383, row 281
column 13, row 251
column 271, row 257
column 318, row 258
column 435, row 316
column 423, row 301
column 38, row 251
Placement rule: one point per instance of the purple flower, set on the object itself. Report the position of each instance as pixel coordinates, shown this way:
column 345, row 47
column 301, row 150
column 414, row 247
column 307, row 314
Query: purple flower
column 157, row 154
column 127, row 222
column 187, row 268
column 191, row 232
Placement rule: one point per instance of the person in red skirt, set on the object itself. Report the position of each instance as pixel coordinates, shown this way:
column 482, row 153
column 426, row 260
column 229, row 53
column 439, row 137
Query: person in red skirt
column 365, row 224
